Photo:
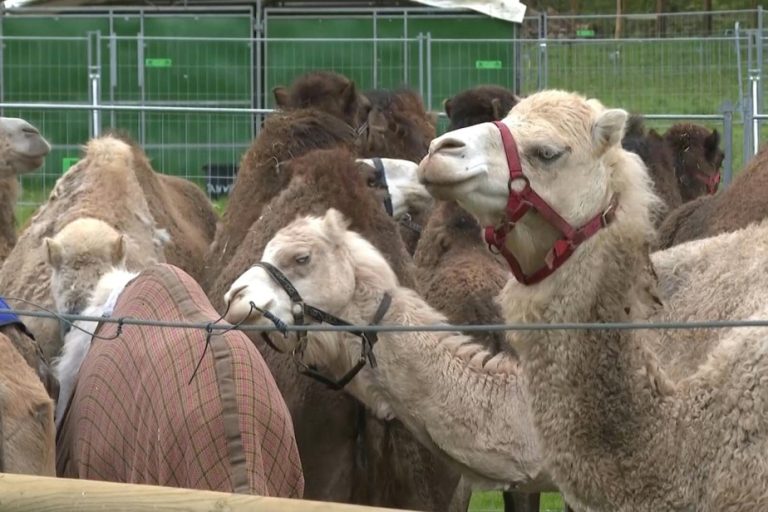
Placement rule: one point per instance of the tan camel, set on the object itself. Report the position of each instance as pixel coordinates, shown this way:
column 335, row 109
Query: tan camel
column 27, row 436
column 469, row 409
column 22, row 150
column 617, row 430
column 163, row 218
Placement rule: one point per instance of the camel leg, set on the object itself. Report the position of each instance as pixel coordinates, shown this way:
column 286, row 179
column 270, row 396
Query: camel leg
column 521, row 501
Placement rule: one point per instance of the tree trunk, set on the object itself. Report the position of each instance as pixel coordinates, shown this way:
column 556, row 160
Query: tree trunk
column 617, row 34
column 661, row 20
column 708, row 17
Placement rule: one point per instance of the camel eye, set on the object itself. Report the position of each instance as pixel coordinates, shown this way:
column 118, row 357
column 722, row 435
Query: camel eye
column 547, row 154
column 302, row 259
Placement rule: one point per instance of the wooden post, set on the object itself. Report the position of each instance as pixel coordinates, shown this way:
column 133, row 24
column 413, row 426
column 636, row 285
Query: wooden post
column 617, row 33
column 27, row 493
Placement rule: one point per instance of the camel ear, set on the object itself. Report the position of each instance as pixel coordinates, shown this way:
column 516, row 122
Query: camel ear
column 53, row 253
column 496, row 109
column 517, row 99
column 712, row 142
column 335, row 224
column 447, row 106
column 118, row 251
column 282, row 98
column 349, row 94
column 609, row 128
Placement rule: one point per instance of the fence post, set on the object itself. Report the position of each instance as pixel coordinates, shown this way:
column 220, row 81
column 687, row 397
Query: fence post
column 747, row 117
column 759, row 64
column 375, row 76
column 727, row 111
column 2, row 58
column 420, row 40
column 141, row 79
column 429, row 70
column 94, row 79
column 754, row 126
column 542, row 51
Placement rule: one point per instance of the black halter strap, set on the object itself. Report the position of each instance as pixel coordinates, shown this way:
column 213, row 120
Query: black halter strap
column 300, row 310
column 381, row 179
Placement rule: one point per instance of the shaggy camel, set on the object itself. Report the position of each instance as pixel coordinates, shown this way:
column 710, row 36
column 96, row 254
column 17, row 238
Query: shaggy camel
column 27, row 436
column 347, row 456
column 22, row 150
column 163, row 218
column 479, row 104
column 642, row 438
column 328, row 92
column 742, row 203
column 469, row 409
column 178, row 414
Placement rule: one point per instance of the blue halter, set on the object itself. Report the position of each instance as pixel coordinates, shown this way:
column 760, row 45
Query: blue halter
column 11, row 318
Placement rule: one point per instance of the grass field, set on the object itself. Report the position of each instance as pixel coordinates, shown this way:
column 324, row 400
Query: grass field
column 492, row 502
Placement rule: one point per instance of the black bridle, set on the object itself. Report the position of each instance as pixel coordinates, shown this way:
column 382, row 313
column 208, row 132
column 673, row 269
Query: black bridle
column 380, row 180
column 301, row 311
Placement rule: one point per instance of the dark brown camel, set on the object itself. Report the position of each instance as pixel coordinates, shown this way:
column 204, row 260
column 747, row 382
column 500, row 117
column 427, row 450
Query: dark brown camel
column 400, row 127
column 742, row 203
column 285, row 135
column 347, row 454
column 329, row 92
column 658, row 158
column 479, row 104
column 697, row 159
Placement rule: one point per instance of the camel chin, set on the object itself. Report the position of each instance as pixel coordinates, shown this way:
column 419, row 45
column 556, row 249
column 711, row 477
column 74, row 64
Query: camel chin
column 27, row 146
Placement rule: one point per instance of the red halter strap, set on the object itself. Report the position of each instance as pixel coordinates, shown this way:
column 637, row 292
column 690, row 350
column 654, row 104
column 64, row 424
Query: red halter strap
column 518, row 205
column 712, row 181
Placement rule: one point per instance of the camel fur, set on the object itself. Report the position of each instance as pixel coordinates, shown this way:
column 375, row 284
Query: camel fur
column 618, row 430
column 27, row 436
column 390, row 468
column 22, row 150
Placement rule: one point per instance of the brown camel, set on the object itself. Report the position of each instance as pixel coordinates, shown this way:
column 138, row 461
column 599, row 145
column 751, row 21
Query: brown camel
column 697, row 157
column 22, row 150
column 163, row 219
column 327, row 91
column 348, row 454
column 479, row 104
column 285, row 135
column 399, row 127
column 657, row 155
column 742, row 203
column 27, row 436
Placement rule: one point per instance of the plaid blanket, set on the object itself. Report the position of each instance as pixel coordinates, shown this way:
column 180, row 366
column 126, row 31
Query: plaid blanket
column 135, row 417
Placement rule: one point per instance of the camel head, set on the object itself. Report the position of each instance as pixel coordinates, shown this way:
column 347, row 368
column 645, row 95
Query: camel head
column 327, row 91
column 79, row 255
column 697, row 158
column 22, row 147
column 568, row 147
column 400, row 181
column 333, row 269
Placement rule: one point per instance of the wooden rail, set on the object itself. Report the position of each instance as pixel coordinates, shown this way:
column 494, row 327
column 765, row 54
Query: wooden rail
column 26, row 493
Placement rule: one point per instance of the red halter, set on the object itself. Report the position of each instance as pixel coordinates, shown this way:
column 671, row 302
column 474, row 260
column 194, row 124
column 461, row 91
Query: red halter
column 710, row 180
column 518, row 205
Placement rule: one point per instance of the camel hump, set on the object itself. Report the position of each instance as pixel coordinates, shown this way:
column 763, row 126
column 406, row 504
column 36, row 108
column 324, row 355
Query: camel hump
column 109, row 149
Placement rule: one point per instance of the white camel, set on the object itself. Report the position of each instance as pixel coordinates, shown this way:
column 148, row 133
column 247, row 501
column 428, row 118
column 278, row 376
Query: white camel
column 620, row 426
column 456, row 398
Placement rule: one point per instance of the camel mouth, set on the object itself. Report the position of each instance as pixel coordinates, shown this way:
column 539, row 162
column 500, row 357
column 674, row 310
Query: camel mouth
column 450, row 188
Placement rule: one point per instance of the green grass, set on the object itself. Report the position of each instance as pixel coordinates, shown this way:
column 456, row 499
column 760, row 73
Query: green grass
column 491, row 501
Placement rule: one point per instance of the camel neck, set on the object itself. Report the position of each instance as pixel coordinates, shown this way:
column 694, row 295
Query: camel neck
column 9, row 189
column 595, row 394
column 456, row 401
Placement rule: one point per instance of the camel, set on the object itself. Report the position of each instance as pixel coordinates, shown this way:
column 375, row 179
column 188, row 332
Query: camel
column 163, row 218
column 185, row 409
column 642, row 437
column 479, row 104
column 348, row 455
column 399, row 127
column 742, row 203
column 470, row 410
column 698, row 159
column 328, row 92
column 23, row 150
column 397, row 179
column 27, row 436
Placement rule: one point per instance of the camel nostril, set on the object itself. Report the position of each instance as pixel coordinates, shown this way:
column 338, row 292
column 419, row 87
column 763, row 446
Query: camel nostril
column 447, row 144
